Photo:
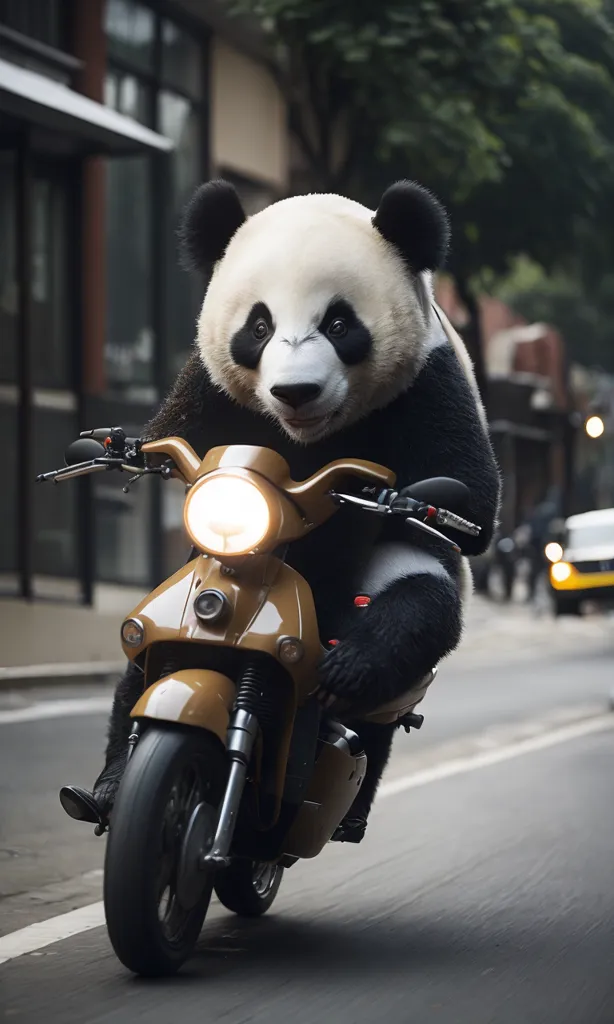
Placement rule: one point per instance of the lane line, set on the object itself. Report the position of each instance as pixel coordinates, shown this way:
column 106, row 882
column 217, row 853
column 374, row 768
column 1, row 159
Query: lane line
column 56, row 709
column 462, row 765
column 56, row 929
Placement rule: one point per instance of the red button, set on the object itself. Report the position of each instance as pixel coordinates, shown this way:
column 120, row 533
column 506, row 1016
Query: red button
column 362, row 601
column 333, row 643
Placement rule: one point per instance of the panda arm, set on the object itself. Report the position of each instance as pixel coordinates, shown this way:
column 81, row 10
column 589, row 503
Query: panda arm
column 414, row 619
column 182, row 412
column 437, row 430
column 416, row 583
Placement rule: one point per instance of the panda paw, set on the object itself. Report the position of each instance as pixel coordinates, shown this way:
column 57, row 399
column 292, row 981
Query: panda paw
column 348, row 677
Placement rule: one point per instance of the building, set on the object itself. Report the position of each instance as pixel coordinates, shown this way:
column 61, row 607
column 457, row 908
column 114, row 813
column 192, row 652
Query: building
column 529, row 404
column 111, row 111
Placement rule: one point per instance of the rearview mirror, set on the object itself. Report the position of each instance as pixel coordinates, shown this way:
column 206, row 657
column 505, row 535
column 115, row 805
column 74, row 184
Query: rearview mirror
column 82, row 450
column 441, row 491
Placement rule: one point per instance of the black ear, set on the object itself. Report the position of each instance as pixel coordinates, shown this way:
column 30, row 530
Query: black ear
column 210, row 219
column 415, row 222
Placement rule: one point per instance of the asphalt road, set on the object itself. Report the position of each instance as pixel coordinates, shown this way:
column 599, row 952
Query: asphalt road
column 482, row 893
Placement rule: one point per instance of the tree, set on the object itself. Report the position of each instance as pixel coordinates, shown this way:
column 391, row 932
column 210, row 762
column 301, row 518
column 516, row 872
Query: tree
column 585, row 317
column 503, row 108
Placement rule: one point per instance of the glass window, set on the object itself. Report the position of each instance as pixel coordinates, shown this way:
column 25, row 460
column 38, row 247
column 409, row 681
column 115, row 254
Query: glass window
column 128, row 95
column 179, row 121
column 51, row 339
column 130, row 31
column 9, row 297
column 54, row 508
column 40, row 19
column 8, row 491
column 181, row 60
column 123, row 530
column 129, row 346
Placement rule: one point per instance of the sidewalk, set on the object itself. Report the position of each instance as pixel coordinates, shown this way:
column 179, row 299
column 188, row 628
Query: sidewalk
column 519, row 631
column 45, row 642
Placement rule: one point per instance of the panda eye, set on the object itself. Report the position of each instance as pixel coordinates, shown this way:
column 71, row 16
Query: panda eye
column 338, row 329
column 260, row 329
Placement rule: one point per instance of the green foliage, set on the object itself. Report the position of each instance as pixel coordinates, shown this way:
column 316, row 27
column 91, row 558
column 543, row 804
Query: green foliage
column 585, row 316
column 505, row 108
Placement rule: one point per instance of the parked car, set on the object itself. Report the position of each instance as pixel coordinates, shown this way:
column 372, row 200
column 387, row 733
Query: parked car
column 583, row 569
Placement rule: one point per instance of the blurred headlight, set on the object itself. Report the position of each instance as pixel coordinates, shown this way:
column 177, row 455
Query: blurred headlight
column 553, row 551
column 226, row 515
column 560, row 571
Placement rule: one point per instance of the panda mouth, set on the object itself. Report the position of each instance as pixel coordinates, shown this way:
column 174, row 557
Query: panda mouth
column 311, row 421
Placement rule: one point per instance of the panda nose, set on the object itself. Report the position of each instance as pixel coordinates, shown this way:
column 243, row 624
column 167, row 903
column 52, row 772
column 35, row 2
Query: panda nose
column 296, row 394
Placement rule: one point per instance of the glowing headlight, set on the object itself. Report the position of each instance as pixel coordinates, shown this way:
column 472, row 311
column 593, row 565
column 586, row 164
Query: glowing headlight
column 553, row 551
column 560, row 571
column 226, row 515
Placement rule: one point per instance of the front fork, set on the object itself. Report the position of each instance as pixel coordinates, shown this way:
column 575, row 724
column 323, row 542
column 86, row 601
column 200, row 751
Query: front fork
column 241, row 737
column 242, row 733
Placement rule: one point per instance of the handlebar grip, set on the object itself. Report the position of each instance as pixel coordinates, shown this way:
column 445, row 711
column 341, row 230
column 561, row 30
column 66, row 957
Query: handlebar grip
column 445, row 518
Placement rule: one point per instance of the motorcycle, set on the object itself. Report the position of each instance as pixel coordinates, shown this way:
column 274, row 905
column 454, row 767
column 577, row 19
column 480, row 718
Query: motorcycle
column 235, row 768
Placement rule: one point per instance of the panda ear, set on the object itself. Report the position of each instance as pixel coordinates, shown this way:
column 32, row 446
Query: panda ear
column 210, row 219
column 415, row 222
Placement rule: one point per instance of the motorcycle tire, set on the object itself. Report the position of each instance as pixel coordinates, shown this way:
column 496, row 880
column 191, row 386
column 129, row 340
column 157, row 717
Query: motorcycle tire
column 248, row 888
column 171, row 773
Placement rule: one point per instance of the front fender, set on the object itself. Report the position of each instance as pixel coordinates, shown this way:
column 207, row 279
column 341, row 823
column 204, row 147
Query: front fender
column 196, row 697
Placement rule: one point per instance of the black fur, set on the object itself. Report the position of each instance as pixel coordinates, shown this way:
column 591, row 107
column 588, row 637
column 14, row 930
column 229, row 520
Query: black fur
column 211, row 218
column 128, row 691
column 245, row 347
column 415, row 222
column 354, row 346
column 431, row 430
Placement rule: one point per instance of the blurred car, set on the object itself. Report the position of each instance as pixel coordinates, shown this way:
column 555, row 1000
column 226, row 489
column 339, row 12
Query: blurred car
column 582, row 564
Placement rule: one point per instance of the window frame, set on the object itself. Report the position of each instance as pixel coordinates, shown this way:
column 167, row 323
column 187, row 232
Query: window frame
column 122, row 408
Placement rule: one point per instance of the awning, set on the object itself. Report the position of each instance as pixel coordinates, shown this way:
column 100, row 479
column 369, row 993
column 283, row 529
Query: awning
column 54, row 107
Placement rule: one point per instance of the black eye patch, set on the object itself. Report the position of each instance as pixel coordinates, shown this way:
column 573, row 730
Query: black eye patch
column 250, row 340
column 346, row 332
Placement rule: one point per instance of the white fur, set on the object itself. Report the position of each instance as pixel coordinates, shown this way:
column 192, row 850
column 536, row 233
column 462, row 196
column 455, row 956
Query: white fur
column 297, row 256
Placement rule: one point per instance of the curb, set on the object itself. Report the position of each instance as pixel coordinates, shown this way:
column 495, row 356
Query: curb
column 87, row 672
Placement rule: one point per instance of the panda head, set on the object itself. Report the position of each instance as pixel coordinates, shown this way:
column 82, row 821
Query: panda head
column 317, row 309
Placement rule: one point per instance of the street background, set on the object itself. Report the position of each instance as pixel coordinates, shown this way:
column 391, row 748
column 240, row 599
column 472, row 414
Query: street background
column 480, row 895
column 483, row 891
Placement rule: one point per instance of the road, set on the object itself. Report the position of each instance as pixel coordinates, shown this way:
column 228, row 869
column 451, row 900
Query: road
column 482, row 892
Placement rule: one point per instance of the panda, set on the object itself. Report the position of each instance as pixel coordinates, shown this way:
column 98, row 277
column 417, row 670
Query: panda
column 319, row 337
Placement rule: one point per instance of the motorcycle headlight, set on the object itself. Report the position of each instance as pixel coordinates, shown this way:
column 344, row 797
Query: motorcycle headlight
column 226, row 515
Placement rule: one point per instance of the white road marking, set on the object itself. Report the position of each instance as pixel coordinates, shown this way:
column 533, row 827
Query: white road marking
column 57, row 929
column 461, row 765
column 56, row 709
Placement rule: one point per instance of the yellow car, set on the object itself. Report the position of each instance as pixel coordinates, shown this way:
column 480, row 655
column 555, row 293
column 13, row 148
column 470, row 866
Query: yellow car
column 583, row 566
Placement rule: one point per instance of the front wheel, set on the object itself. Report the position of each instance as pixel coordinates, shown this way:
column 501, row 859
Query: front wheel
column 149, row 865
column 248, row 887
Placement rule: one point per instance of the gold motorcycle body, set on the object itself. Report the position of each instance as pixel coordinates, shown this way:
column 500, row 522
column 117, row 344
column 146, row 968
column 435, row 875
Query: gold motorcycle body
column 235, row 768
column 269, row 609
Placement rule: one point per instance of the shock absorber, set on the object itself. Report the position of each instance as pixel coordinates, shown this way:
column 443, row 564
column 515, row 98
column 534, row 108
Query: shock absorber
column 242, row 733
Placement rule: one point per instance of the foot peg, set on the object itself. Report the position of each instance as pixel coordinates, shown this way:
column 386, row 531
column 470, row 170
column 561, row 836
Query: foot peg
column 80, row 805
column 411, row 721
column 351, row 830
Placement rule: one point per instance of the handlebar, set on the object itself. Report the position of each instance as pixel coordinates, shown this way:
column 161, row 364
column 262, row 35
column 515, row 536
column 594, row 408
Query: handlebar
column 417, row 514
column 119, row 452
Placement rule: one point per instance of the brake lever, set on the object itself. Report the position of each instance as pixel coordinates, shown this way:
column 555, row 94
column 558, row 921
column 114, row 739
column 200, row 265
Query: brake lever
column 164, row 471
column 434, row 533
